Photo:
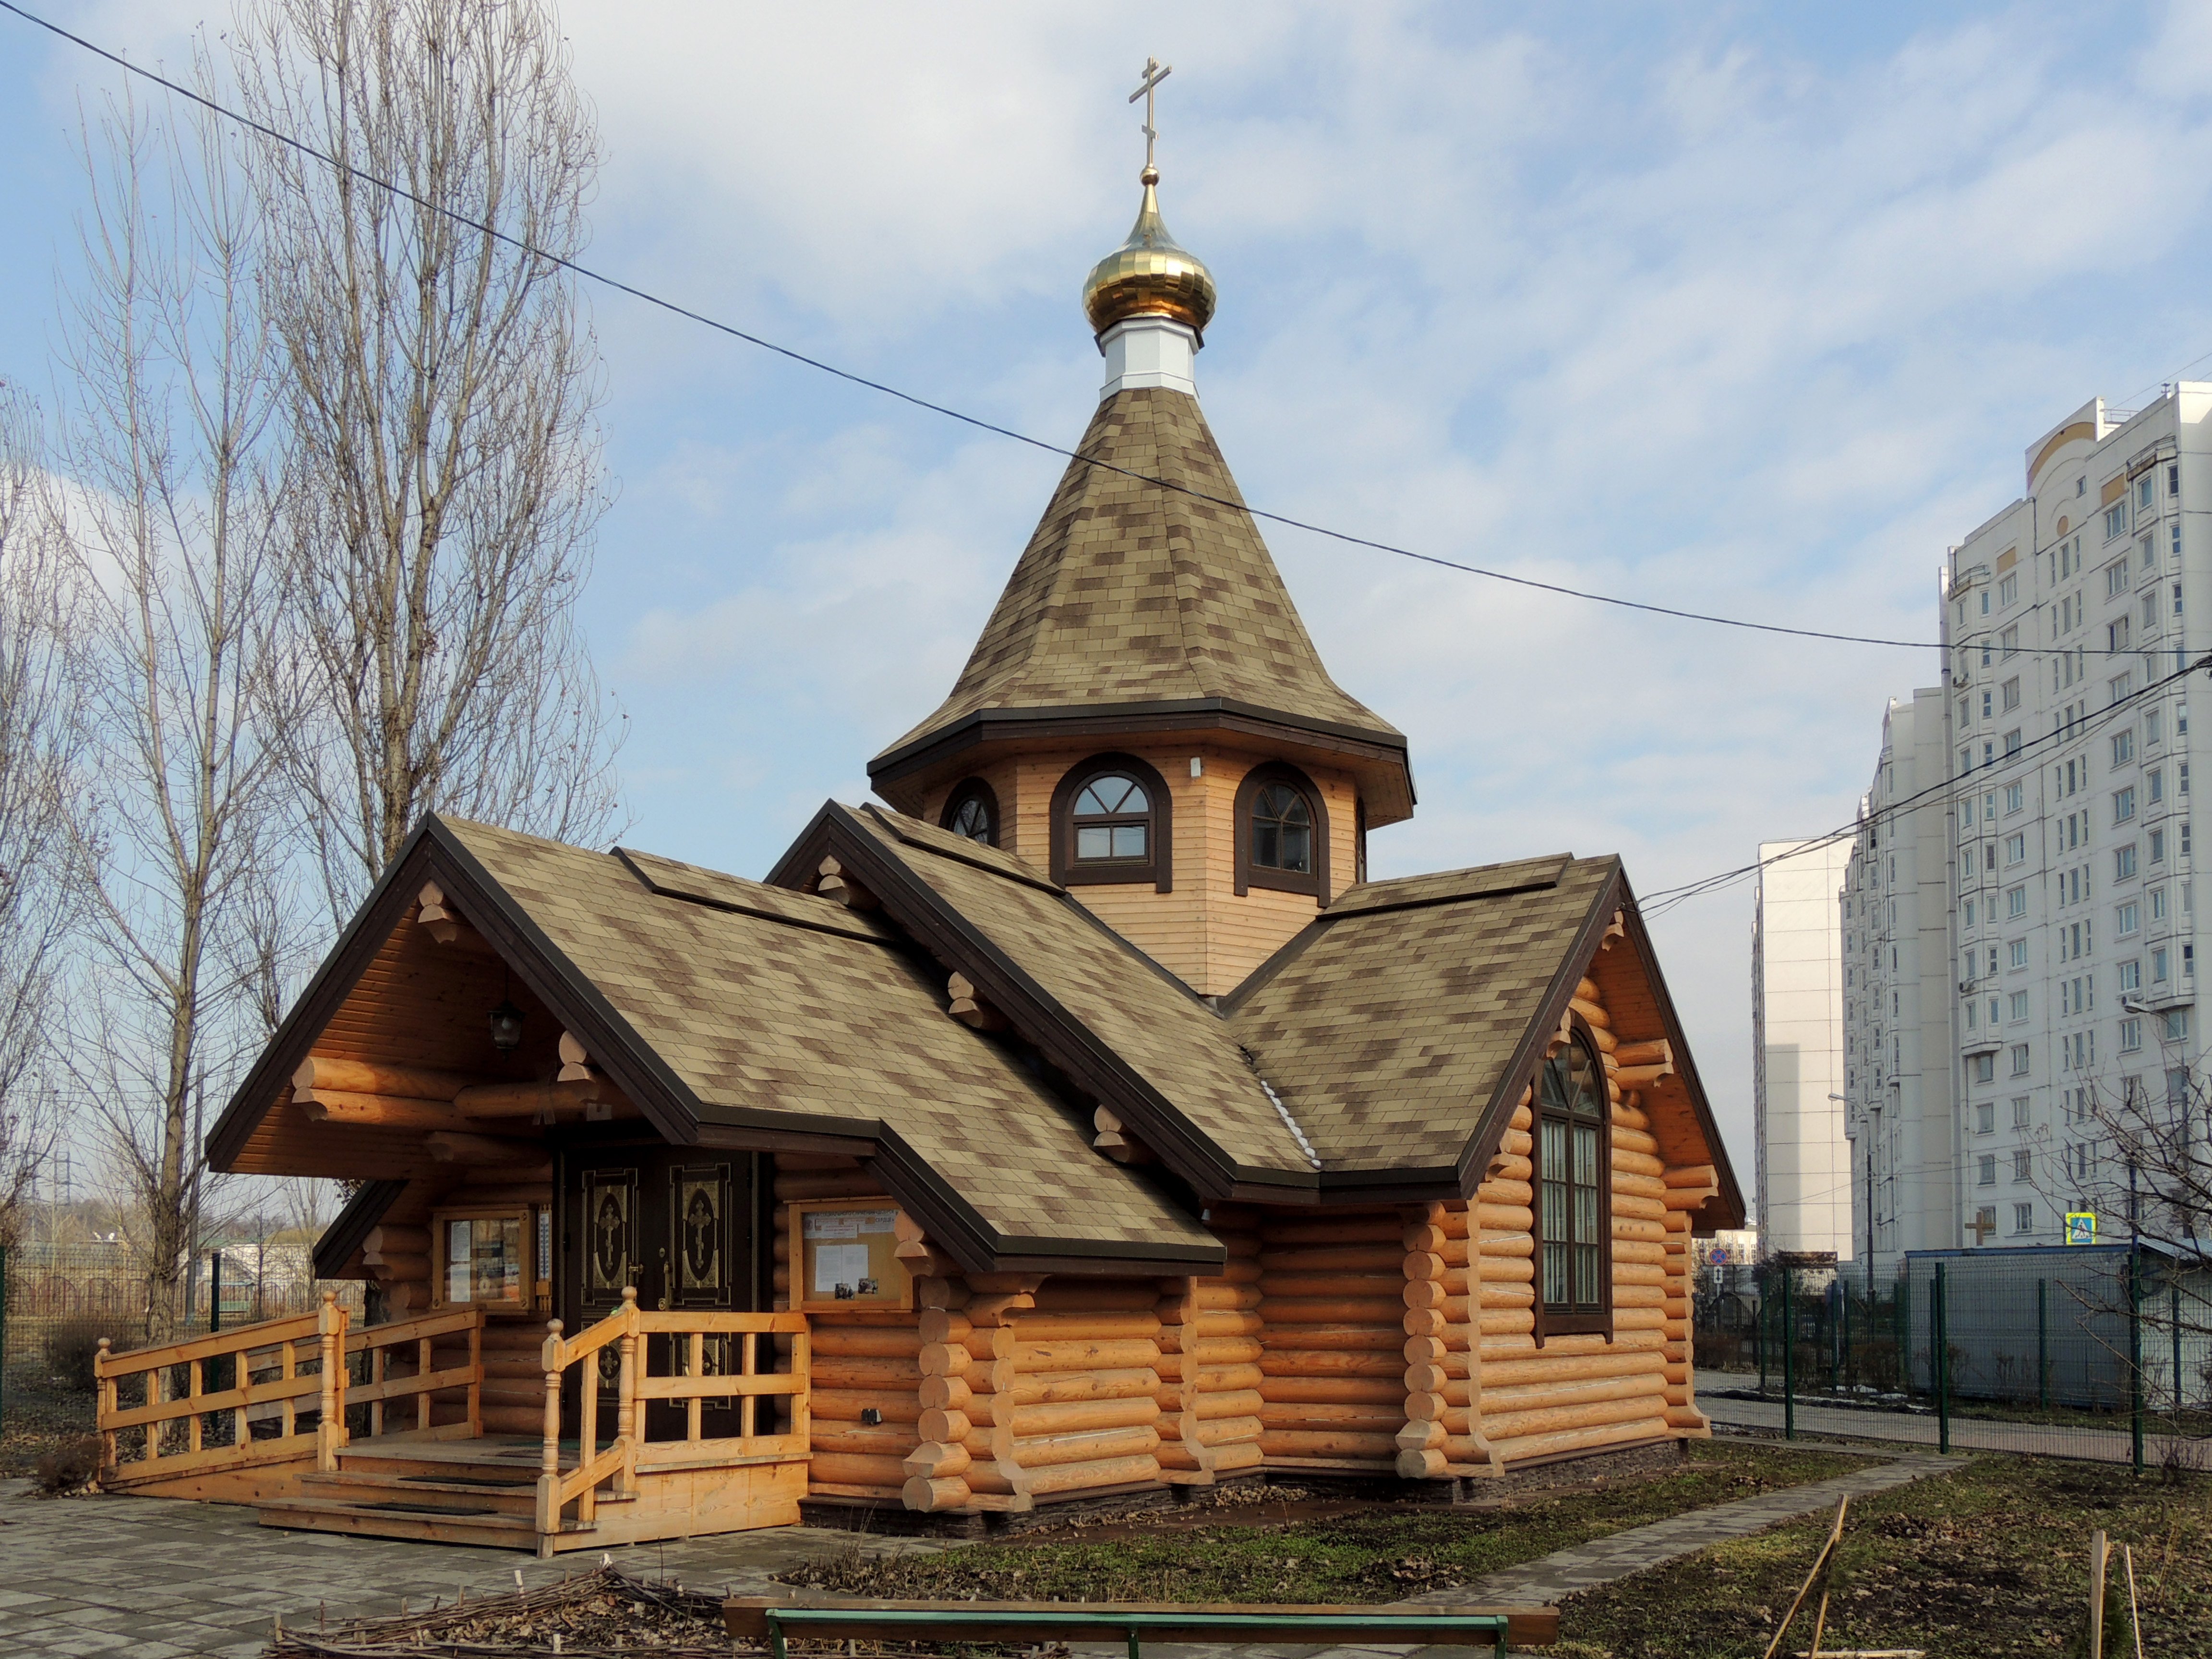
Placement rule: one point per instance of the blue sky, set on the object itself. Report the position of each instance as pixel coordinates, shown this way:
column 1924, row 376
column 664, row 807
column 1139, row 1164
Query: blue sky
column 1750, row 309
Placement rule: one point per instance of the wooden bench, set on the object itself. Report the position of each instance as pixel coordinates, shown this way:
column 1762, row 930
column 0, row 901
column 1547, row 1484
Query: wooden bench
column 772, row 1620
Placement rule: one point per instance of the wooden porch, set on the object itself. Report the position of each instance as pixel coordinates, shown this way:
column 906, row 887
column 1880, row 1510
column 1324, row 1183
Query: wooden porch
column 265, row 1414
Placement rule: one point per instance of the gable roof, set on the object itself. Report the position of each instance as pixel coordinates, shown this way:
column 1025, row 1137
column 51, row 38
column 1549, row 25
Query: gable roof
column 1101, row 1010
column 748, row 1010
column 1400, row 1027
column 1134, row 599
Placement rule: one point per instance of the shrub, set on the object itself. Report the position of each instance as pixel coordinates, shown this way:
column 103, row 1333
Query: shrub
column 71, row 1346
column 68, row 1467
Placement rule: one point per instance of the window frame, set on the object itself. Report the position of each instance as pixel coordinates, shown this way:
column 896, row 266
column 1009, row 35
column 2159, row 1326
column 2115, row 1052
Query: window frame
column 1549, row 1322
column 1158, row 868
column 1249, row 875
column 966, row 790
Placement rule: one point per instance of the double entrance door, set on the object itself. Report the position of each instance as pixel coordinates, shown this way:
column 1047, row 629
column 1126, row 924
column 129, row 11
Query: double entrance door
column 684, row 1225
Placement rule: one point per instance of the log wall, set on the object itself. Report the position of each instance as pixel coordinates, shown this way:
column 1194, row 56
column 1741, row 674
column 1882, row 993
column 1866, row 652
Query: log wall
column 1210, row 1375
column 1331, row 1325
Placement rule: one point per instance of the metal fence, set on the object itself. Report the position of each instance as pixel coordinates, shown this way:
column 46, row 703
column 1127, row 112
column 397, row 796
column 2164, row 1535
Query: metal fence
column 50, row 1289
column 2102, row 1352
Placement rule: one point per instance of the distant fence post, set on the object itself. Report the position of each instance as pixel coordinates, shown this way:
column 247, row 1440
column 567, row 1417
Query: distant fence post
column 215, row 1289
column 2175, row 1287
column 2135, row 1359
column 1903, row 1334
column 1789, row 1360
column 1759, row 1336
column 1843, row 1365
column 1939, row 1361
column 2041, row 1344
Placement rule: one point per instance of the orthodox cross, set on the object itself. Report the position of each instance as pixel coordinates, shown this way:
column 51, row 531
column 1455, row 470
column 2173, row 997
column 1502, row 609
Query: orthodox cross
column 1155, row 72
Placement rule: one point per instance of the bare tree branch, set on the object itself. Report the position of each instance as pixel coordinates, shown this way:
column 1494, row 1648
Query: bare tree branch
column 445, row 477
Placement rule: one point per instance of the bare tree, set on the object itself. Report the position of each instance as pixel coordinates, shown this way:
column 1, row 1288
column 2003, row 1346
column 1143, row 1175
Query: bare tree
column 169, row 445
column 38, row 742
column 444, row 476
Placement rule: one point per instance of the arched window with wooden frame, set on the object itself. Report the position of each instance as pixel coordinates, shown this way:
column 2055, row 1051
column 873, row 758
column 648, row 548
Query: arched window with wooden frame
column 1111, row 823
column 971, row 811
column 1573, row 1191
column 1282, row 832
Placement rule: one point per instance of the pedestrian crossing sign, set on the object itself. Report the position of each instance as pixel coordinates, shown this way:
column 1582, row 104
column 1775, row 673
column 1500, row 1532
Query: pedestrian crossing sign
column 2080, row 1226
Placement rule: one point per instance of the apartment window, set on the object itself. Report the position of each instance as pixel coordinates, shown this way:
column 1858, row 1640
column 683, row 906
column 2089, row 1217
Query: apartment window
column 2158, row 961
column 2013, row 797
column 2009, row 641
column 2144, row 486
column 2115, row 634
column 2020, row 1165
column 2120, row 686
column 2016, row 902
column 2158, row 846
column 2019, row 1006
column 2131, row 919
column 2012, row 693
column 1986, row 602
column 2176, row 1025
column 1986, row 703
column 2123, row 862
column 2123, row 804
column 2131, row 977
column 1990, row 754
column 2157, row 904
column 1985, row 1068
column 2020, row 1060
column 2184, row 838
column 2182, row 786
column 1989, row 855
column 1967, row 864
column 2130, row 1035
column 2023, row 1216
column 2176, row 594
column 1985, row 1117
column 2011, row 743
column 2015, row 848
column 2147, row 545
column 2019, row 1111
column 2009, row 589
column 2173, row 542
column 1970, row 915
column 1966, row 710
column 2174, row 479
column 2153, row 725
column 2123, row 747
column 2149, row 600
column 1985, row 1170
column 1972, row 1010
column 2155, row 784
column 2115, row 524
column 2018, row 949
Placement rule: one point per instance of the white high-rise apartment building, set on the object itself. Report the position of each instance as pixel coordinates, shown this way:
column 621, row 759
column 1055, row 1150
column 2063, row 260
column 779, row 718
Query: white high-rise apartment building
column 1797, row 1047
column 1898, row 1063
column 2067, row 945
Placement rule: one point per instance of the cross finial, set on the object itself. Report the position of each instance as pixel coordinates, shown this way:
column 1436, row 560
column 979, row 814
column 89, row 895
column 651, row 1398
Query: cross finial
column 1155, row 72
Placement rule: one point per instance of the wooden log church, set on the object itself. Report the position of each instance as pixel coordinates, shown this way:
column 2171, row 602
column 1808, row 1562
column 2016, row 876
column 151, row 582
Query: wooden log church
column 1080, row 1120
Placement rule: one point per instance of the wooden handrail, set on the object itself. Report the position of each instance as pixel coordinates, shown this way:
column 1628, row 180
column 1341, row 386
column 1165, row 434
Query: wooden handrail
column 380, row 1387
column 629, row 1449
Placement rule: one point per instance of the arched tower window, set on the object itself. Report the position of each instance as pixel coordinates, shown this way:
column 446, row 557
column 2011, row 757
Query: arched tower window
column 1110, row 824
column 1282, row 832
column 972, row 811
column 1573, row 1187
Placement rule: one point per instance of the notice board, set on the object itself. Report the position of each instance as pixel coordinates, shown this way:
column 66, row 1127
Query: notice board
column 844, row 1255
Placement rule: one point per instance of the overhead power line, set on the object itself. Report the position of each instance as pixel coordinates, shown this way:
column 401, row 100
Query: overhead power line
column 919, row 401
column 1666, row 898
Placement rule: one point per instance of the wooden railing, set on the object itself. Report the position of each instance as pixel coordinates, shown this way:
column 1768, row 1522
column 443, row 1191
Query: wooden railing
column 271, row 1350
column 687, row 1381
column 381, row 1387
column 276, row 1364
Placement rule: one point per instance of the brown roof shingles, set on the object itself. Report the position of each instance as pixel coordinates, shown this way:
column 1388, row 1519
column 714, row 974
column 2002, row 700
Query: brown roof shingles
column 808, row 1020
column 1388, row 1030
column 1132, row 593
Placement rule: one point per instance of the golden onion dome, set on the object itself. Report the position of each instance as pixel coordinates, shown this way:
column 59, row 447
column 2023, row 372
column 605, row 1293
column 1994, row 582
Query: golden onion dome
column 1148, row 276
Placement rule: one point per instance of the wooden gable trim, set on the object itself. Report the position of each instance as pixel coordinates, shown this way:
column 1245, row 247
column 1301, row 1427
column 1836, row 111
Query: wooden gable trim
column 1726, row 1210
column 1519, row 1071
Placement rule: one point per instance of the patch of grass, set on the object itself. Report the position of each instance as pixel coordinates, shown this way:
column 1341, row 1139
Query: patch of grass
column 1989, row 1560
column 1379, row 1555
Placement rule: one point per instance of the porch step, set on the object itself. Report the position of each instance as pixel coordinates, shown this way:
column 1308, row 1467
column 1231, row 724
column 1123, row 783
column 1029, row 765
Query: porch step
column 399, row 1517
column 456, row 1491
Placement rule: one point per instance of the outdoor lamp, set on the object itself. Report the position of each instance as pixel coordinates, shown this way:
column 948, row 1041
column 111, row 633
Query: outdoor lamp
column 506, row 1027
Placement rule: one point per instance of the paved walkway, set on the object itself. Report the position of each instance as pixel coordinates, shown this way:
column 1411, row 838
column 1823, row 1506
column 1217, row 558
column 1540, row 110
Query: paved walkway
column 1921, row 1429
column 164, row 1579
column 159, row 1578
column 1550, row 1578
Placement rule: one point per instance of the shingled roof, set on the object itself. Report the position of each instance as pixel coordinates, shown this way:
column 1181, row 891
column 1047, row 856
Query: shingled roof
column 1134, row 596
column 717, row 1001
column 1407, row 1009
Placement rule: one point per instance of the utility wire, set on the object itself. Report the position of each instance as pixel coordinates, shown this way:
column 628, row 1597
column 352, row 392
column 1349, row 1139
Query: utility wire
column 1666, row 898
column 919, row 401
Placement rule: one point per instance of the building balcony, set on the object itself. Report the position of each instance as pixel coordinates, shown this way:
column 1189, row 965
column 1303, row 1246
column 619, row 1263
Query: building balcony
column 1982, row 1042
column 2160, row 999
